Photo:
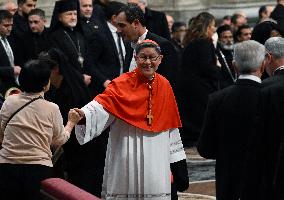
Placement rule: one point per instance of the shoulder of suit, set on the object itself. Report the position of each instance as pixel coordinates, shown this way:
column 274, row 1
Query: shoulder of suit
column 160, row 40
column 155, row 13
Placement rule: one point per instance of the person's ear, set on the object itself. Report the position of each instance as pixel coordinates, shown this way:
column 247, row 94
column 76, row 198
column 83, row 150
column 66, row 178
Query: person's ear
column 136, row 58
column 262, row 67
column 161, row 58
column 136, row 23
column 236, row 69
column 113, row 19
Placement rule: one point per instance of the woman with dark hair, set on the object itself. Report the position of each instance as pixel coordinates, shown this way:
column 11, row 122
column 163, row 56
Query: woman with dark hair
column 29, row 126
column 66, row 82
column 200, row 76
column 263, row 31
column 144, row 144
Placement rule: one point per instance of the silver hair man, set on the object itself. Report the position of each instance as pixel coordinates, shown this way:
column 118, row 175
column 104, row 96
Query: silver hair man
column 275, row 46
column 141, row 3
column 275, row 57
column 9, row 5
column 249, row 56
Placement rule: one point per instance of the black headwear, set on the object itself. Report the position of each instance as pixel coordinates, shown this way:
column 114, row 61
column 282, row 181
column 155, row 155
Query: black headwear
column 62, row 6
column 262, row 31
column 66, row 5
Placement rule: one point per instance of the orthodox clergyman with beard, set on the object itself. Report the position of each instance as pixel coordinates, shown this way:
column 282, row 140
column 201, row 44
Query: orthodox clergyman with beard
column 224, row 52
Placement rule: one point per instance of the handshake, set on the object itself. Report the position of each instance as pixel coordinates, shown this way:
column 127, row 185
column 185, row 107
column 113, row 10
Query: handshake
column 75, row 115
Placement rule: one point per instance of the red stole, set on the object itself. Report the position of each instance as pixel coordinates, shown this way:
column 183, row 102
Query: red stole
column 127, row 97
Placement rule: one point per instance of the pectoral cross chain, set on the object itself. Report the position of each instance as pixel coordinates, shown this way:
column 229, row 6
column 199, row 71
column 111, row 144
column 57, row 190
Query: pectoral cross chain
column 150, row 116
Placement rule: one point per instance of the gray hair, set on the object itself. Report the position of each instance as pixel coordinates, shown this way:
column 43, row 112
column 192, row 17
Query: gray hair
column 145, row 2
column 275, row 46
column 248, row 56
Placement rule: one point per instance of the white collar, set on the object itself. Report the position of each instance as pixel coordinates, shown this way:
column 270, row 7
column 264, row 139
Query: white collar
column 278, row 68
column 141, row 38
column 250, row 77
column 112, row 28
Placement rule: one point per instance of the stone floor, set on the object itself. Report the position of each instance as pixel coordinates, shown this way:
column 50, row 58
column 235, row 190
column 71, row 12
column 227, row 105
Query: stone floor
column 201, row 177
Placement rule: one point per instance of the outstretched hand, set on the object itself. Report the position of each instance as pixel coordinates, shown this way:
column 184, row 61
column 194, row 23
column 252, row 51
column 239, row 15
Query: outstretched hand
column 75, row 115
column 80, row 112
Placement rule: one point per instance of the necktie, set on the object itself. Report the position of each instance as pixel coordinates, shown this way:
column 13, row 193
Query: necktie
column 120, row 52
column 8, row 50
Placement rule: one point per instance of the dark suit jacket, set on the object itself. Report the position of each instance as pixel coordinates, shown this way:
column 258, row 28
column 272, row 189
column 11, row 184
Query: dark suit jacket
column 156, row 22
column 36, row 44
column 102, row 59
column 89, row 27
column 20, row 28
column 266, row 143
column 168, row 67
column 279, row 173
column 226, row 131
column 7, row 79
column 278, row 77
column 199, row 77
column 278, row 15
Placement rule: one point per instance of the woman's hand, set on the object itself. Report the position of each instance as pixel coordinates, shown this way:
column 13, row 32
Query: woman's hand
column 75, row 115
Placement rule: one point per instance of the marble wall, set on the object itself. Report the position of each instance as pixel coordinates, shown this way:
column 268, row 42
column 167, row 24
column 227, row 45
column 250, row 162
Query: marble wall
column 184, row 9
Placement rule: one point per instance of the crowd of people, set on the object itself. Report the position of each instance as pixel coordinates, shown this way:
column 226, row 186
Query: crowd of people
column 140, row 86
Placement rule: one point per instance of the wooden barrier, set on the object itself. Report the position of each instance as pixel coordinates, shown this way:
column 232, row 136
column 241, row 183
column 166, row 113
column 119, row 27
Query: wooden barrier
column 59, row 189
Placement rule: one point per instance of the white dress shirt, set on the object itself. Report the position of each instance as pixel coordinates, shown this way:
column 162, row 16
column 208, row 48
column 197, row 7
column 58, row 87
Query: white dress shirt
column 133, row 45
column 113, row 31
column 250, row 77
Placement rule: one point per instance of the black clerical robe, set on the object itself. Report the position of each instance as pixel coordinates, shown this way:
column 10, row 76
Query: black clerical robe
column 226, row 132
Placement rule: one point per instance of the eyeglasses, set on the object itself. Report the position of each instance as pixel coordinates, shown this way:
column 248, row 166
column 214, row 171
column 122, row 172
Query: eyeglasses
column 152, row 59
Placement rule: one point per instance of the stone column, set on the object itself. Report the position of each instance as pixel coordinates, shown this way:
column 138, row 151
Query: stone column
column 47, row 6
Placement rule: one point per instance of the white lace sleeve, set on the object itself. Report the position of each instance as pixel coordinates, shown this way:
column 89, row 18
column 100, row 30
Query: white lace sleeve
column 97, row 120
column 176, row 147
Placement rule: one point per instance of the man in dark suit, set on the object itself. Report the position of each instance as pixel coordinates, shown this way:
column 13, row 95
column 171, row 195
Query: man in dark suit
column 105, row 59
column 278, row 13
column 274, row 66
column 155, row 21
column 20, row 27
column 131, row 23
column 37, row 39
column 264, row 181
column 88, row 23
column 228, row 122
column 8, row 71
